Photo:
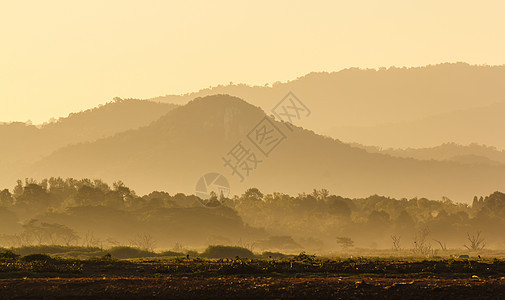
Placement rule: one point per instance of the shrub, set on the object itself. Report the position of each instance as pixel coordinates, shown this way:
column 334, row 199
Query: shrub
column 8, row 254
column 36, row 257
column 227, row 252
column 192, row 254
column 304, row 257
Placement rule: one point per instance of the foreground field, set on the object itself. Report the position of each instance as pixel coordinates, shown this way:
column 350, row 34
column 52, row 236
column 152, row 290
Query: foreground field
column 253, row 287
column 303, row 276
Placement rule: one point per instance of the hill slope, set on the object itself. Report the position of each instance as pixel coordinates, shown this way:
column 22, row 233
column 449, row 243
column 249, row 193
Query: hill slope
column 189, row 141
column 368, row 98
column 470, row 154
column 24, row 144
column 481, row 125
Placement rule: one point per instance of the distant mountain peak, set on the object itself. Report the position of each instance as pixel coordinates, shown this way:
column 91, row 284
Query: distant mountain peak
column 221, row 101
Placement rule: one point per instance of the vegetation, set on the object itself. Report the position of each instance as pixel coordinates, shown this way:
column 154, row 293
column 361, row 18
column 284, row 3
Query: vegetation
column 345, row 242
column 105, row 275
column 227, row 252
column 476, row 242
column 303, row 263
column 91, row 214
column 36, row 257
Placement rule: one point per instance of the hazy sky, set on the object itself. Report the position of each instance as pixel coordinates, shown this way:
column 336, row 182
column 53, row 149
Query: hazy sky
column 62, row 56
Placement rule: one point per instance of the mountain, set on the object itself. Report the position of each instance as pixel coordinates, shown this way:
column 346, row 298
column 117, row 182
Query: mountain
column 172, row 153
column 470, row 154
column 343, row 102
column 24, row 144
column 481, row 125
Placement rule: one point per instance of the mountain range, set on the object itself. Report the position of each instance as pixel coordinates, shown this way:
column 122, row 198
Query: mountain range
column 24, row 144
column 470, row 154
column 482, row 125
column 434, row 131
column 172, row 153
column 390, row 107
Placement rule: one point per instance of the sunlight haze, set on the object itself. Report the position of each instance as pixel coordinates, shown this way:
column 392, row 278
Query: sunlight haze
column 252, row 149
column 58, row 57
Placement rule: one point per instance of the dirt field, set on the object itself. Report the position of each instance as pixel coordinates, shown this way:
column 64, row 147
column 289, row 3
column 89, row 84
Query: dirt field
column 251, row 287
column 42, row 277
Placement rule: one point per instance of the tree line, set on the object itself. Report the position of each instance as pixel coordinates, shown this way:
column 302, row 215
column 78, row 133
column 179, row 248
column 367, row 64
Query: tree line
column 49, row 211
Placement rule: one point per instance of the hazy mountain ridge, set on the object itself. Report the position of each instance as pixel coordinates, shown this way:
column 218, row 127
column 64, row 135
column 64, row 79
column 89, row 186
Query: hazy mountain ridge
column 368, row 97
column 88, row 125
column 28, row 143
column 176, row 147
column 482, row 125
column 189, row 141
column 469, row 154
column 200, row 126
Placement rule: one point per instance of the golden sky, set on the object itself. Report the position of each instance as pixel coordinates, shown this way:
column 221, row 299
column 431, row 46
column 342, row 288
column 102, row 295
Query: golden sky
column 62, row 56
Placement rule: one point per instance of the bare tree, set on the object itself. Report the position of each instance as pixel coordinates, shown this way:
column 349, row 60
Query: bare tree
column 178, row 247
column 32, row 231
column 51, row 233
column 421, row 246
column 68, row 236
column 14, row 240
column 476, row 241
column 249, row 246
column 89, row 240
column 25, row 239
column 112, row 242
column 396, row 242
column 144, row 241
column 443, row 246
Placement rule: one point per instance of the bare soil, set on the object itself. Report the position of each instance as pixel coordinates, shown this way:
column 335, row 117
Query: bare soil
column 339, row 287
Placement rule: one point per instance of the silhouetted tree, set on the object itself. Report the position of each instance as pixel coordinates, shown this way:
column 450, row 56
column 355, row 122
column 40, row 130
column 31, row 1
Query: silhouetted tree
column 87, row 195
column 6, row 198
column 345, row 242
column 252, row 194
column 396, row 242
column 33, row 199
column 476, row 242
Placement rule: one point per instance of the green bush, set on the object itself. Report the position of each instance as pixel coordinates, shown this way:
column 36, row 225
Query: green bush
column 220, row 251
column 304, row 257
column 36, row 257
column 8, row 254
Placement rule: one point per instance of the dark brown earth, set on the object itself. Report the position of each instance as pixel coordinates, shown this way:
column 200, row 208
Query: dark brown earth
column 42, row 277
column 252, row 287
